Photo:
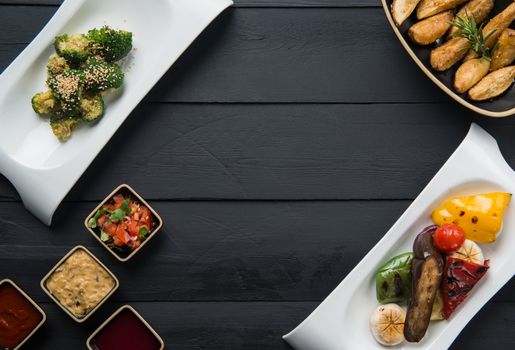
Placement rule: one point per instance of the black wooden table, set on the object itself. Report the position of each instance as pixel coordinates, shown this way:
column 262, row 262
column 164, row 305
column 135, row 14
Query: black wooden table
column 278, row 150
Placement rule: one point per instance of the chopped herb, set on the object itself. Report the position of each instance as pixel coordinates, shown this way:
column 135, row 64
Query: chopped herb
column 121, row 212
column 143, row 233
column 469, row 30
column 125, row 223
column 104, row 237
column 93, row 221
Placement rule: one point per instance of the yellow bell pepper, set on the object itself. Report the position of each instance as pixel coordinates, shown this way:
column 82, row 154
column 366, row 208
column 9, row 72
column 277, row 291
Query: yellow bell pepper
column 480, row 216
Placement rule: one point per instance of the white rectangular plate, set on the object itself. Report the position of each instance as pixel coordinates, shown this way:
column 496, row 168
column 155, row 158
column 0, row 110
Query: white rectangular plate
column 341, row 321
column 42, row 169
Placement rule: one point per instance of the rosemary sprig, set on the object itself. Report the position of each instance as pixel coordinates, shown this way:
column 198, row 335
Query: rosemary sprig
column 474, row 34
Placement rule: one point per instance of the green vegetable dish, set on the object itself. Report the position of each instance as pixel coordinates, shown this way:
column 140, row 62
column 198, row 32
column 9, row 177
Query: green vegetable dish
column 81, row 71
column 393, row 280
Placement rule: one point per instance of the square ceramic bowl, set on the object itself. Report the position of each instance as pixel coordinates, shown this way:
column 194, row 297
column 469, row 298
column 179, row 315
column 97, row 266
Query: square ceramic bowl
column 33, row 303
column 151, row 332
column 47, row 290
column 125, row 190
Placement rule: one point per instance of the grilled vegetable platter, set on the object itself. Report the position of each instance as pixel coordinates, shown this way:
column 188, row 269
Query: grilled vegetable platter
column 446, row 264
column 467, row 47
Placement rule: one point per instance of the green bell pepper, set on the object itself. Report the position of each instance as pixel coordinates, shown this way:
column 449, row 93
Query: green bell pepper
column 393, row 279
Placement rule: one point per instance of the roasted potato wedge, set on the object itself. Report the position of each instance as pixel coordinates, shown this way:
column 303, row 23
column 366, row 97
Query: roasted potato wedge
column 478, row 9
column 430, row 29
column 496, row 25
column 470, row 73
column 504, row 53
column 493, row 84
column 426, row 273
column 446, row 55
column 428, row 8
column 402, row 9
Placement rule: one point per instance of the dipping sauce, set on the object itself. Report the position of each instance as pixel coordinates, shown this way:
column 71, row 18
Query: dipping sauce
column 18, row 317
column 126, row 331
column 80, row 283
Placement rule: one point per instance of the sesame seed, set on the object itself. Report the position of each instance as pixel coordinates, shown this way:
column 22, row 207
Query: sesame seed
column 66, row 86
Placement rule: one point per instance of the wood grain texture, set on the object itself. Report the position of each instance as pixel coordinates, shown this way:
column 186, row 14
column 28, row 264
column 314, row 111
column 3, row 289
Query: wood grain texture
column 274, row 55
column 213, row 251
column 281, row 151
column 252, row 326
column 289, row 184
column 241, row 3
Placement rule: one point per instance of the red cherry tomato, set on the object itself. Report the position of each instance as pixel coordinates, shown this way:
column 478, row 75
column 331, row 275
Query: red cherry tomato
column 448, row 238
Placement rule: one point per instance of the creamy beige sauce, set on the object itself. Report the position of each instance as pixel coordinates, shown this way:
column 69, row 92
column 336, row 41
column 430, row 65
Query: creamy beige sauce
column 80, row 283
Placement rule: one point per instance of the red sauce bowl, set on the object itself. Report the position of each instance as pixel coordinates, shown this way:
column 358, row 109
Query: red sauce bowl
column 20, row 316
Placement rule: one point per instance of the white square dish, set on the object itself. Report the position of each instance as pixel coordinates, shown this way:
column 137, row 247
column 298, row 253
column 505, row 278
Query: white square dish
column 341, row 321
column 41, row 168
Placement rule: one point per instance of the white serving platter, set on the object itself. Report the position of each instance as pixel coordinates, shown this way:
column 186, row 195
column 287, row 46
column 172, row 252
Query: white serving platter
column 42, row 169
column 341, row 321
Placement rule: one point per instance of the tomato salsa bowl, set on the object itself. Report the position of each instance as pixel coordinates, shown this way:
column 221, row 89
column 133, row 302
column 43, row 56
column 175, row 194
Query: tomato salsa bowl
column 123, row 222
column 20, row 316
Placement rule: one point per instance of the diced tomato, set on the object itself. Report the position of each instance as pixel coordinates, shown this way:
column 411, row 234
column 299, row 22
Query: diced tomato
column 125, row 232
column 145, row 217
column 110, row 229
column 102, row 220
column 134, row 207
column 134, row 228
column 117, row 242
column 122, row 234
column 118, row 200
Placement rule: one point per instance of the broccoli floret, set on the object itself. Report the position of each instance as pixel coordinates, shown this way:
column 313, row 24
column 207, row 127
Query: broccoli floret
column 100, row 75
column 56, row 65
column 67, row 88
column 91, row 107
column 109, row 43
column 43, row 102
column 63, row 127
column 74, row 48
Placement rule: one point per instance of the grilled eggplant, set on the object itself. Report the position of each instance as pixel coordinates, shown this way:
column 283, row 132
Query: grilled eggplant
column 426, row 273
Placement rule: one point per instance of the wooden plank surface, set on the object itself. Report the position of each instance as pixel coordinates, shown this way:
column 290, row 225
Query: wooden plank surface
column 236, row 326
column 274, row 55
column 242, row 3
column 207, row 251
column 281, row 151
column 284, row 128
